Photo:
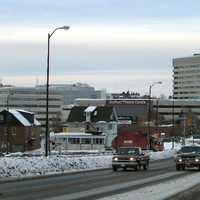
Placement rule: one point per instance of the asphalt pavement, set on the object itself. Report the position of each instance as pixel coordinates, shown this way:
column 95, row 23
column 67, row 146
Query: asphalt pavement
column 89, row 185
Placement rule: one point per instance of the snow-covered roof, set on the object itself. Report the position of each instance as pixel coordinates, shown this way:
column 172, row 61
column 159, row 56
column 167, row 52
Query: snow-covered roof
column 20, row 117
column 25, row 111
column 90, row 109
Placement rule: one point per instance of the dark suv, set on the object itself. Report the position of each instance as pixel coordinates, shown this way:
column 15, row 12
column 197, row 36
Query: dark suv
column 188, row 156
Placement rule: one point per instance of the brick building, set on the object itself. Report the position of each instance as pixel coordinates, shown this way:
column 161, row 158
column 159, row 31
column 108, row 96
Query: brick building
column 19, row 131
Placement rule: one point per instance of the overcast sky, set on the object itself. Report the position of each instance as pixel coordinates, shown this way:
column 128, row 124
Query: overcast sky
column 113, row 44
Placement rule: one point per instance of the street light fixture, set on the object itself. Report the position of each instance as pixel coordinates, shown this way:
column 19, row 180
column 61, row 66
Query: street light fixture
column 149, row 112
column 47, row 90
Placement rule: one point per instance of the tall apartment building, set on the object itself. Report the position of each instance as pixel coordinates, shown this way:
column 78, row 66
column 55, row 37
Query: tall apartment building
column 186, row 83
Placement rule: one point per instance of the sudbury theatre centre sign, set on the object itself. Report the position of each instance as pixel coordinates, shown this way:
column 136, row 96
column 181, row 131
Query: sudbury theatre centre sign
column 126, row 102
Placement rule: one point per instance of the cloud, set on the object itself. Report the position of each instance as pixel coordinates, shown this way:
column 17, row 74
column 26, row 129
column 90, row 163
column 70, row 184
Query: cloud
column 145, row 31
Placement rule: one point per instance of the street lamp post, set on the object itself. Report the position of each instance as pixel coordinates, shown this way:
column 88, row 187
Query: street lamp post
column 47, row 91
column 149, row 113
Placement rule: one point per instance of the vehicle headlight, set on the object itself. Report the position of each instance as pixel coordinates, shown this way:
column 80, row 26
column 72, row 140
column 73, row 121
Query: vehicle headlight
column 180, row 160
column 115, row 159
column 131, row 159
column 196, row 159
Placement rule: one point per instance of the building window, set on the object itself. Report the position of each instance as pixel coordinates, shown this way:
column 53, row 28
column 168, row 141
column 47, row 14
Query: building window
column 13, row 131
column 73, row 140
column 85, row 141
column 109, row 126
column 98, row 141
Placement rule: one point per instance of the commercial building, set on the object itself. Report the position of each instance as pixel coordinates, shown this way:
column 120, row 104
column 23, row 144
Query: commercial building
column 164, row 113
column 32, row 99
column 186, row 83
column 70, row 92
column 133, row 108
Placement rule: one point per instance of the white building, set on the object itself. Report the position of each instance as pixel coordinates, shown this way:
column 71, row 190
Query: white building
column 187, row 77
column 77, row 141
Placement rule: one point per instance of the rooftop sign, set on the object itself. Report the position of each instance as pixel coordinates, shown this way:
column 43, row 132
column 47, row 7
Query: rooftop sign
column 126, row 102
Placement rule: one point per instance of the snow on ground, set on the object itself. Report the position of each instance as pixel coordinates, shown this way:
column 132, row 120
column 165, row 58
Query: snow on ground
column 171, row 146
column 19, row 166
column 30, row 166
column 159, row 191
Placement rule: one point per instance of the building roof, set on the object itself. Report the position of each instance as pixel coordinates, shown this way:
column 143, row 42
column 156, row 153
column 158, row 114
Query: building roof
column 75, row 135
column 101, row 113
column 90, row 109
column 20, row 117
column 24, row 117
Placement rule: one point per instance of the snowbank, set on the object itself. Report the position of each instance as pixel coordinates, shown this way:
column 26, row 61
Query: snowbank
column 161, row 154
column 30, row 166
column 170, row 146
column 40, row 165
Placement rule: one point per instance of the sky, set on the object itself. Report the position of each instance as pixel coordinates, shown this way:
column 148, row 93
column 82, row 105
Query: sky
column 112, row 44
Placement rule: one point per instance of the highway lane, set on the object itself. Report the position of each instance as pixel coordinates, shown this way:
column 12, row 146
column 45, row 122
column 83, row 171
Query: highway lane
column 89, row 185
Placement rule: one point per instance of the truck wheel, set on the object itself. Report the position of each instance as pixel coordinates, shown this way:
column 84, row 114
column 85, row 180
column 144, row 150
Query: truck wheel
column 178, row 167
column 114, row 169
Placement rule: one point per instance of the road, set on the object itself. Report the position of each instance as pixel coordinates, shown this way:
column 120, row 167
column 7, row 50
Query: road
column 89, row 185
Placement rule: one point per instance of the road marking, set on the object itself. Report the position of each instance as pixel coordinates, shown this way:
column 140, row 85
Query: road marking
column 115, row 187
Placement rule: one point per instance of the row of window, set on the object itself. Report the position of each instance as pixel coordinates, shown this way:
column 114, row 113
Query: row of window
column 187, row 87
column 187, row 77
column 177, row 106
column 186, row 82
column 83, row 140
column 32, row 99
column 191, row 92
column 187, row 66
column 186, row 71
column 30, row 106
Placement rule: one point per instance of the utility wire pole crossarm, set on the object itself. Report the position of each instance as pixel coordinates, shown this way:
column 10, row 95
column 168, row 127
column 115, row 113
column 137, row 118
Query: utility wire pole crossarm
column 47, row 148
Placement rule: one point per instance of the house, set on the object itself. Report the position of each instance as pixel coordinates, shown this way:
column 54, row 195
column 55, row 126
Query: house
column 95, row 120
column 19, row 131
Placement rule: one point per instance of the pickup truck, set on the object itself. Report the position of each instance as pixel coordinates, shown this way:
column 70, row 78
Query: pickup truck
column 188, row 156
column 130, row 157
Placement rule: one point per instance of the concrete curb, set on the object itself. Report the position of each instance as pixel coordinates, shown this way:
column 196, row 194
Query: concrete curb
column 16, row 179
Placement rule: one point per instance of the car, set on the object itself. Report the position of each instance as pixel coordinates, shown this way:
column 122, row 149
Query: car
column 130, row 157
column 188, row 156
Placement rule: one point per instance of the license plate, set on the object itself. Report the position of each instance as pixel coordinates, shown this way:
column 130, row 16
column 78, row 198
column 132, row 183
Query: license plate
column 122, row 165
